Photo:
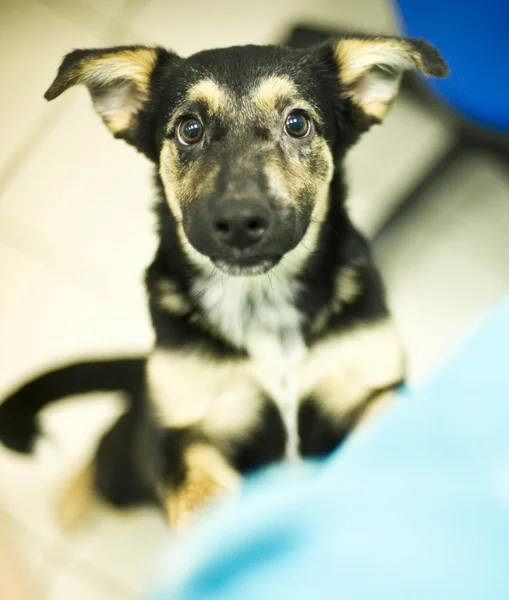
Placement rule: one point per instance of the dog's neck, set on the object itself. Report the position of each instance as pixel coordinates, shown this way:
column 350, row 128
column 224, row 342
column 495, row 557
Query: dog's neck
column 253, row 312
column 280, row 305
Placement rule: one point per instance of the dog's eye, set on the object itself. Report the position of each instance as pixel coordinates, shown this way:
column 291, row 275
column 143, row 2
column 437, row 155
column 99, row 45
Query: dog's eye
column 189, row 131
column 297, row 125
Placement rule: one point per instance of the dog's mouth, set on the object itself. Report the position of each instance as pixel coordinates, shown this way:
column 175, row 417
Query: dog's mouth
column 246, row 268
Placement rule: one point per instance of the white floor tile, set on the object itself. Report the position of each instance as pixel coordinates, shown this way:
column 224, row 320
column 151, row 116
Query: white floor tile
column 481, row 217
column 108, row 20
column 389, row 159
column 229, row 22
column 449, row 262
column 22, row 550
column 33, row 40
column 40, row 558
column 28, row 545
column 89, row 13
column 89, row 196
column 437, row 302
column 48, row 320
column 31, row 484
column 40, row 313
column 112, row 8
column 80, row 583
column 125, row 545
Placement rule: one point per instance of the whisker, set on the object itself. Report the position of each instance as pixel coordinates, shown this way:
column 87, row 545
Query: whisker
column 286, row 269
column 278, row 278
column 326, row 225
column 310, row 253
column 271, row 287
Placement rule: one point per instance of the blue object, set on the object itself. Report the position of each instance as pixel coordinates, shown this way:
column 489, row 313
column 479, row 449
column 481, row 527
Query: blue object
column 473, row 37
column 414, row 507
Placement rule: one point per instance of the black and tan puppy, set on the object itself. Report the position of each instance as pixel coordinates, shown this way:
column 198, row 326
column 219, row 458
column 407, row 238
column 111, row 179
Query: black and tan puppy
column 273, row 339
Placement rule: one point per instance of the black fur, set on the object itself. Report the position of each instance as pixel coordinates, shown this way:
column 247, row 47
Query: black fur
column 19, row 428
column 138, row 454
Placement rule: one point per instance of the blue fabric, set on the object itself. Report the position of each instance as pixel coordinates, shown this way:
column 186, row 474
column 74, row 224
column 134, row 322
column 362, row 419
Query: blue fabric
column 413, row 507
column 473, row 37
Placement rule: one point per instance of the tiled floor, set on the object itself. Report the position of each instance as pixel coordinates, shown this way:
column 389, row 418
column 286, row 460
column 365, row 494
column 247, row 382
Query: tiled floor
column 76, row 232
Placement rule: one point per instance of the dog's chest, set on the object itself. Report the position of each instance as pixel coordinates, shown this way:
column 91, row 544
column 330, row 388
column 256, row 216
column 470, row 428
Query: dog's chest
column 259, row 315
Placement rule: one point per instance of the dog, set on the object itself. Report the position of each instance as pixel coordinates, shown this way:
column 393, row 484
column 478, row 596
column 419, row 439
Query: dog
column 273, row 339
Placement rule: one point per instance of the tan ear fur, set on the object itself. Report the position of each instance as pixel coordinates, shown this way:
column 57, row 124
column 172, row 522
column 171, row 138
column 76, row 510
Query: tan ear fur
column 118, row 80
column 370, row 68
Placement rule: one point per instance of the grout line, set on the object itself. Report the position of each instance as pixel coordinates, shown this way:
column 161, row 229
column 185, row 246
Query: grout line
column 32, row 570
column 100, row 576
column 47, row 123
column 77, row 12
column 119, row 28
column 83, row 568
column 27, row 147
column 83, row 15
column 51, row 258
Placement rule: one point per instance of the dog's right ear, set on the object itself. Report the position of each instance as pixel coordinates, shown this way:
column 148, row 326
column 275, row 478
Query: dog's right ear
column 118, row 80
column 370, row 70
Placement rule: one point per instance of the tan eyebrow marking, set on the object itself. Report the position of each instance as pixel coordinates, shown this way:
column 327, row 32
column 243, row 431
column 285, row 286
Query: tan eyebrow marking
column 276, row 90
column 271, row 91
column 209, row 92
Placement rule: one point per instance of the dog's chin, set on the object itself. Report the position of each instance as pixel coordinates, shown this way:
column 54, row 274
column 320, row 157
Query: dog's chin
column 236, row 269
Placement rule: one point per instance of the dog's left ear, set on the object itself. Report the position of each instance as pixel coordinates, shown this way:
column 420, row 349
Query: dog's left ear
column 118, row 80
column 370, row 69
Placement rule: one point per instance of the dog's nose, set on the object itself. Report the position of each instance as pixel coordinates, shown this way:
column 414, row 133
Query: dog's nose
column 241, row 223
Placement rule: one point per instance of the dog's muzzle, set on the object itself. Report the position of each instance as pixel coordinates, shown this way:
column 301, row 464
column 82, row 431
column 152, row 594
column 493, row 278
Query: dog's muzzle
column 242, row 236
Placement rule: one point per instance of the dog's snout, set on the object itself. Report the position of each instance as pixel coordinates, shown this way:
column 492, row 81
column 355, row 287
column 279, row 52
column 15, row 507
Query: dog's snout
column 241, row 223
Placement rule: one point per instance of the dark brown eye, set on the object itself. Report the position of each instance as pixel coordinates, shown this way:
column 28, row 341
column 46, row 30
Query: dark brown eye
column 189, row 131
column 297, row 125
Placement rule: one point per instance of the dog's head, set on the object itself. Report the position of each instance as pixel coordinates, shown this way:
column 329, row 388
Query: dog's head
column 246, row 138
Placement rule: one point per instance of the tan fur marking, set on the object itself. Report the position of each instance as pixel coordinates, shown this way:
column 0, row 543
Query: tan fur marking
column 373, row 92
column 212, row 94
column 271, row 91
column 293, row 177
column 377, row 405
column 219, row 397
column 127, row 73
column 169, row 176
column 347, row 289
column 197, row 182
column 348, row 286
column 209, row 476
column 376, row 109
column 171, row 299
column 120, row 121
column 134, row 65
column 357, row 56
column 288, row 176
column 343, row 370
column 181, row 189
column 286, row 184
column 77, row 498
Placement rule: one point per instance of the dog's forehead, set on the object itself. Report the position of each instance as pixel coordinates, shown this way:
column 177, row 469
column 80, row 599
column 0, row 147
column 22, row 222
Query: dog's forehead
column 264, row 96
column 248, row 77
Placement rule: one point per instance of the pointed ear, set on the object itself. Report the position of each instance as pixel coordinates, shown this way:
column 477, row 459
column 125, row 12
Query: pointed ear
column 118, row 80
column 370, row 69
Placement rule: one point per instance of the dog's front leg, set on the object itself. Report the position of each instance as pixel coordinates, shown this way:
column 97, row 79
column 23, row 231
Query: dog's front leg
column 204, row 410
column 207, row 477
column 347, row 377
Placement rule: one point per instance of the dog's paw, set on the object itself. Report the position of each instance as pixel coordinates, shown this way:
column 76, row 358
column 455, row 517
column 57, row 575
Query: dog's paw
column 209, row 476
column 187, row 502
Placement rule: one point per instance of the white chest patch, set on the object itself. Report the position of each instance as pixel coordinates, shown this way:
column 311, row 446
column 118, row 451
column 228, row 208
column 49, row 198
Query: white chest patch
column 258, row 314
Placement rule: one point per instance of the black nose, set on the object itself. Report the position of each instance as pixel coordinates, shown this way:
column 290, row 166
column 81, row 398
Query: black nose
column 241, row 223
